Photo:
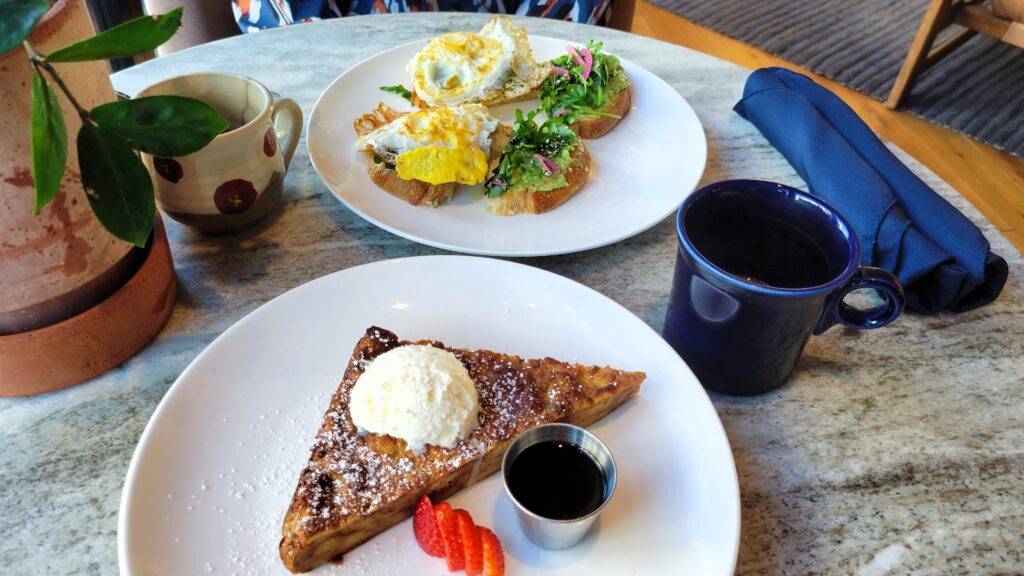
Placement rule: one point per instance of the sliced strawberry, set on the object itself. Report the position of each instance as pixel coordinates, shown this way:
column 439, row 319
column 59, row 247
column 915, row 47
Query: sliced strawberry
column 472, row 545
column 450, row 536
column 424, row 526
column 494, row 557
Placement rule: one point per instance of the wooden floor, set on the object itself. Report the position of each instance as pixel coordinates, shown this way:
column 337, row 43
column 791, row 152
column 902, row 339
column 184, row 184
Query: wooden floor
column 992, row 180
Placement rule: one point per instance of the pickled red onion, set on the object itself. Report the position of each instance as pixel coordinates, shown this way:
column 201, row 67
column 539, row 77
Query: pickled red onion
column 588, row 62
column 547, row 165
column 575, row 55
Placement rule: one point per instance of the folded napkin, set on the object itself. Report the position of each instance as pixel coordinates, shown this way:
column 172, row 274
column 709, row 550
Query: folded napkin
column 943, row 260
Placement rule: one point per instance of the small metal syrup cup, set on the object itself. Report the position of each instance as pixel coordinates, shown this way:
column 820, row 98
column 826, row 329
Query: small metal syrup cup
column 547, row 532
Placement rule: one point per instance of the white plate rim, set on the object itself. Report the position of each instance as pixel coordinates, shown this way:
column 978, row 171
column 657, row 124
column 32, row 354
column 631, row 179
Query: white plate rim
column 554, row 251
column 176, row 388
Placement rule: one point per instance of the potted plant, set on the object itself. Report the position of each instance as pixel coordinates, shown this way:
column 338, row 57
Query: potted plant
column 87, row 275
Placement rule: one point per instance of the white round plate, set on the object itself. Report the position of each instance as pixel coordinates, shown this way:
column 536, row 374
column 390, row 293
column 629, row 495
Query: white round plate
column 642, row 170
column 215, row 469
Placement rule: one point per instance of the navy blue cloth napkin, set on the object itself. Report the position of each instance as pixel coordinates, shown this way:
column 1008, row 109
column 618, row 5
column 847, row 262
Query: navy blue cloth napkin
column 942, row 259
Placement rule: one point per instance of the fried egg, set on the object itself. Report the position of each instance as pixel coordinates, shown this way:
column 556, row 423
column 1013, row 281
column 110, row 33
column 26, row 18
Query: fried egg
column 465, row 164
column 493, row 66
column 456, row 139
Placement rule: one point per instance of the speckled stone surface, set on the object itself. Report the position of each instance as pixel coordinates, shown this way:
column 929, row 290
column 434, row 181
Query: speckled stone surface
column 896, row 451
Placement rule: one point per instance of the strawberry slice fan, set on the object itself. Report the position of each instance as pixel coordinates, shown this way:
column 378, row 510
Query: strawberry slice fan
column 452, row 534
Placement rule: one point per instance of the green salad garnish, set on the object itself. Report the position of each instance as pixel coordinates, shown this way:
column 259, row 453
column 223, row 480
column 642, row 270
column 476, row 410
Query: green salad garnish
column 399, row 90
column 536, row 156
column 582, row 82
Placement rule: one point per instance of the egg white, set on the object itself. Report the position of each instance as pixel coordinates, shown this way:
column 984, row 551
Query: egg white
column 493, row 66
column 513, row 38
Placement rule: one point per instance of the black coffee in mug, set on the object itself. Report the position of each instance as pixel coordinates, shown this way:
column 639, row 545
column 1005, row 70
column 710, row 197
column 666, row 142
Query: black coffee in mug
column 760, row 267
column 757, row 248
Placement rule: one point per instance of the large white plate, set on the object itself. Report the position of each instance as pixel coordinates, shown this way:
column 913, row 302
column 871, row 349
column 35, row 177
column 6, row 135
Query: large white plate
column 641, row 170
column 217, row 464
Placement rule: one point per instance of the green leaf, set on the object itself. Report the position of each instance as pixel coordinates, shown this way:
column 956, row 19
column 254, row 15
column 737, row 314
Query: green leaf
column 128, row 39
column 17, row 17
column 161, row 125
column 49, row 142
column 117, row 185
column 400, row 90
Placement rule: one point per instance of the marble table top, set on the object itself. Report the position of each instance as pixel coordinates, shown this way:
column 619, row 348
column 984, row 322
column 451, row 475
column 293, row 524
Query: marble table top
column 893, row 451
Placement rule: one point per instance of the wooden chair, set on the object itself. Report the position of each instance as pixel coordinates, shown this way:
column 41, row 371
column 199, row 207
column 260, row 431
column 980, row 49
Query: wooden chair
column 622, row 15
column 1002, row 19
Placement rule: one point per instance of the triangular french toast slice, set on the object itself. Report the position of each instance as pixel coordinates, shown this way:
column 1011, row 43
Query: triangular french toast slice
column 355, row 487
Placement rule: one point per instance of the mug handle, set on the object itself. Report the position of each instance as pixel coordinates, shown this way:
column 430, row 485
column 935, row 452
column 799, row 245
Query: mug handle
column 287, row 118
column 881, row 281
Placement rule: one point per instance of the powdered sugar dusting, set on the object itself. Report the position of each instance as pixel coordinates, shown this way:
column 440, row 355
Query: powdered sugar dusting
column 251, row 507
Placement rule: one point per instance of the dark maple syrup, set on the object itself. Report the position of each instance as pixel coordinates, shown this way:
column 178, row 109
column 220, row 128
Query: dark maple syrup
column 557, row 480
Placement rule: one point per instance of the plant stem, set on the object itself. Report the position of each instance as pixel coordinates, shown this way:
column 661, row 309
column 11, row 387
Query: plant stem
column 39, row 63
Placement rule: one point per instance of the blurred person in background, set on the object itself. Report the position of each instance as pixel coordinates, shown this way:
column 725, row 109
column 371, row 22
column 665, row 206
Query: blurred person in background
column 254, row 15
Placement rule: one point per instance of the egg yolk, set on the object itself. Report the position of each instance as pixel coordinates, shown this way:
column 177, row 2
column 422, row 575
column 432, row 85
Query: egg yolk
column 464, row 163
column 434, row 125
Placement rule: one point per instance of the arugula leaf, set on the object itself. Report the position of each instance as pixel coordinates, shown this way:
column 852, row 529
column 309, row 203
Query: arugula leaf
column 400, row 90
column 580, row 96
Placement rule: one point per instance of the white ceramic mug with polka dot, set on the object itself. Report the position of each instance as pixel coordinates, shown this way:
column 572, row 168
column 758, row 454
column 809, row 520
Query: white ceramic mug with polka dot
column 239, row 177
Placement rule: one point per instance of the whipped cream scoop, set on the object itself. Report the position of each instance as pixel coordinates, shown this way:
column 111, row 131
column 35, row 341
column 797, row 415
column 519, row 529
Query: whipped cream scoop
column 418, row 393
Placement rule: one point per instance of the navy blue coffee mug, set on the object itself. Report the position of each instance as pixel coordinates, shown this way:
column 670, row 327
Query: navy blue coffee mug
column 761, row 266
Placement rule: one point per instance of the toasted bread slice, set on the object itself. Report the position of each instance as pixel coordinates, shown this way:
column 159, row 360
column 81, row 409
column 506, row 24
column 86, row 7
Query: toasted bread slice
column 537, row 202
column 355, row 487
column 415, row 192
column 591, row 127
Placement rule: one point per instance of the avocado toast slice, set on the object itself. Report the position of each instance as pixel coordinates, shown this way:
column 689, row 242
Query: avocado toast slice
column 540, row 168
column 589, row 89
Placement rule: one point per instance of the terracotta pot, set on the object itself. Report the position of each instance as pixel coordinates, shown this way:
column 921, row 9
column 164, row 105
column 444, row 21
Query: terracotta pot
column 74, row 300
column 89, row 344
column 61, row 262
